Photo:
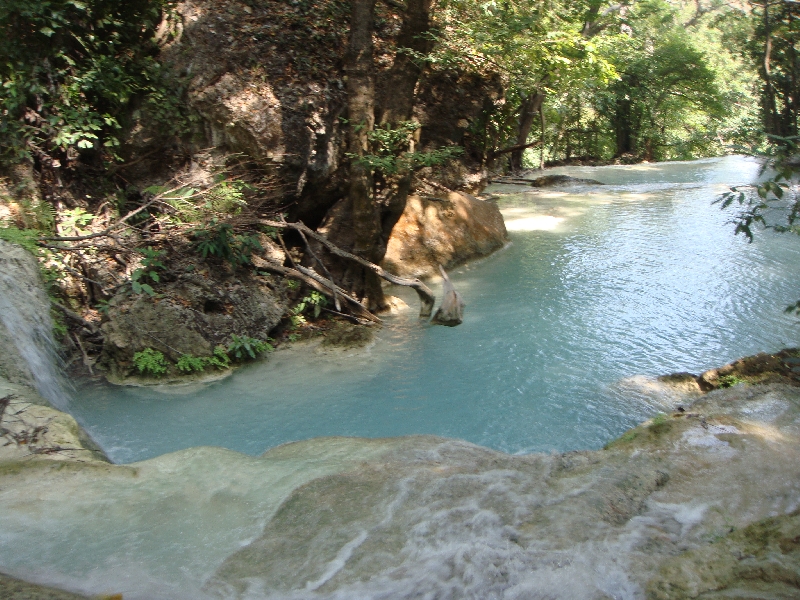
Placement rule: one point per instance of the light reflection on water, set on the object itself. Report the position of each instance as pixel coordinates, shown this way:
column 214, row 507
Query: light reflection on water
column 642, row 276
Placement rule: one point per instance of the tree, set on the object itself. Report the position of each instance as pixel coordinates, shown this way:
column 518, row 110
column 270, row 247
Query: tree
column 381, row 159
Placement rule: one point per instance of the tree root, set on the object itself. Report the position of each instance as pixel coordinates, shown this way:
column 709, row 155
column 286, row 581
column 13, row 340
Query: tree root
column 426, row 297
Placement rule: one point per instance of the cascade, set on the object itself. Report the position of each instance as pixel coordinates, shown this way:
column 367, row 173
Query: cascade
column 29, row 355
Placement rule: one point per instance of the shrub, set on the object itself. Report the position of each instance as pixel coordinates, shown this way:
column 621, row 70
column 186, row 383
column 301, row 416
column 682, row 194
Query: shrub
column 244, row 347
column 150, row 362
column 188, row 363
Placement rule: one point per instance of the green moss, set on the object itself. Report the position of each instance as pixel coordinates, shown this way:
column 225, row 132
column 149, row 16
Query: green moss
column 348, row 335
column 625, row 438
column 660, row 425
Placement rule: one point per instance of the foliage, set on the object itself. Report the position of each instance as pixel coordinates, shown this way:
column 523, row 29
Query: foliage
column 69, row 67
column 314, row 302
column 218, row 239
column 727, row 381
column 189, row 204
column 219, row 359
column 651, row 79
column 151, row 264
column 150, row 362
column 74, row 221
column 27, row 238
column 242, row 347
column 391, row 152
column 188, row 363
column 772, row 203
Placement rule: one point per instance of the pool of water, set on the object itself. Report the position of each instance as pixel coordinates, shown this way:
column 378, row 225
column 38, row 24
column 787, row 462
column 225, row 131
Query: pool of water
column 642, row 276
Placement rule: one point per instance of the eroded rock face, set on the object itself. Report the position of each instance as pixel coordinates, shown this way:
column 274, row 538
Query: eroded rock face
column 446, row 232
column 198, row 312
column 448, row 519
column 31, row 430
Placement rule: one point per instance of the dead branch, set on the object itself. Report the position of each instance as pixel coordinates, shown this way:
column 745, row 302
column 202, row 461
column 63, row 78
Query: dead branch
column 317, row 282
column 324, row 269
column 426, row 297
column 86, row 361
column 495, row 153
column 70, row 314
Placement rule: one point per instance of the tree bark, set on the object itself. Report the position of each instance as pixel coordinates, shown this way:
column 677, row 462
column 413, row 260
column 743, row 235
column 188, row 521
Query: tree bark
column 397, row 97
column 397, row 102
column 531, row 105
column 364, row 220
column 357, row 224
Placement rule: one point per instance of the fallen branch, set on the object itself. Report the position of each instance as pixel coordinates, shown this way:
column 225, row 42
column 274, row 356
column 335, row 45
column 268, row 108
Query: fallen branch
column 317, row 282
column 70, row 314
column 426, row 297
column 491, row 155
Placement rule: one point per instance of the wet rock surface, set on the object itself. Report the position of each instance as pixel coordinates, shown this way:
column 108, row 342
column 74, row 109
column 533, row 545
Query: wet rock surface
column 561, row 181
column 700, row 502
column 28, row 429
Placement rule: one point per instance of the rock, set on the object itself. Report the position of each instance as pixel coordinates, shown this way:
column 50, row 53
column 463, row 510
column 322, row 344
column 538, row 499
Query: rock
column 686, row 383
column 445, row 232
column 562, row 181
column 424, row 516
column 197, row 313
column 760, row 561
column 29, row 429
column 760, row 368
column 16, row 589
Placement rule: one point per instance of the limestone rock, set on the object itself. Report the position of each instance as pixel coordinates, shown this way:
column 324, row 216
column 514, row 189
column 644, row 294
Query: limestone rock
column 445, row 232
column 198, row 312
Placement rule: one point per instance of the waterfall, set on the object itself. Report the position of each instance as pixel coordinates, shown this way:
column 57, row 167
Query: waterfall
column 27, row 352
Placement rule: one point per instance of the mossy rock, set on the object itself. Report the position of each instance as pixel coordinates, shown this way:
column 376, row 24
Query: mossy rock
column 760, row 561
column 348, row 335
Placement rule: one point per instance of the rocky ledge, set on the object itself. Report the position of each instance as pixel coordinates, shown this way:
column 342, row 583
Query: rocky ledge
column 699, row 502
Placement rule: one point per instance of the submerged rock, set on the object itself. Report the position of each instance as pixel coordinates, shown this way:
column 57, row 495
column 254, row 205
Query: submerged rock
column 562, row 181
column 447, row 232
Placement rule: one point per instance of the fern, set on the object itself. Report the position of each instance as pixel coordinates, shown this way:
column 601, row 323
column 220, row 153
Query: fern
column 150, row 362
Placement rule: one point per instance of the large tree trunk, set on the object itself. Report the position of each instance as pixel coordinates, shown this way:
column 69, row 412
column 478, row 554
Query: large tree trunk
column 397, row 102
column 531, row 105
column 354, row 223
column 622, row 120
column 363, row 221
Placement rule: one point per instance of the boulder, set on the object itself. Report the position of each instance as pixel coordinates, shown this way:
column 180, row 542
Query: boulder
column 443, row 231
column 198, row 312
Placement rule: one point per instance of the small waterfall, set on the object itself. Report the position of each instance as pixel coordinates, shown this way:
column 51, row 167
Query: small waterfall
column 27, row 349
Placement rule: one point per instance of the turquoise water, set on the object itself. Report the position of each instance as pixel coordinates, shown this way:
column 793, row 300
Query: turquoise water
column 642, row 276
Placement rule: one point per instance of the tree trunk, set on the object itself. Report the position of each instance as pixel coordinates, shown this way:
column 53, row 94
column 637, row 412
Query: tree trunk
column 531, row 105
column 397, row 102
column 364, row 220
column 354, row 223
column 771, row 121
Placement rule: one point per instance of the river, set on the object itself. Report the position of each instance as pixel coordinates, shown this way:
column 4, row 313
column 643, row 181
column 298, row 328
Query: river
column 641, row 276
